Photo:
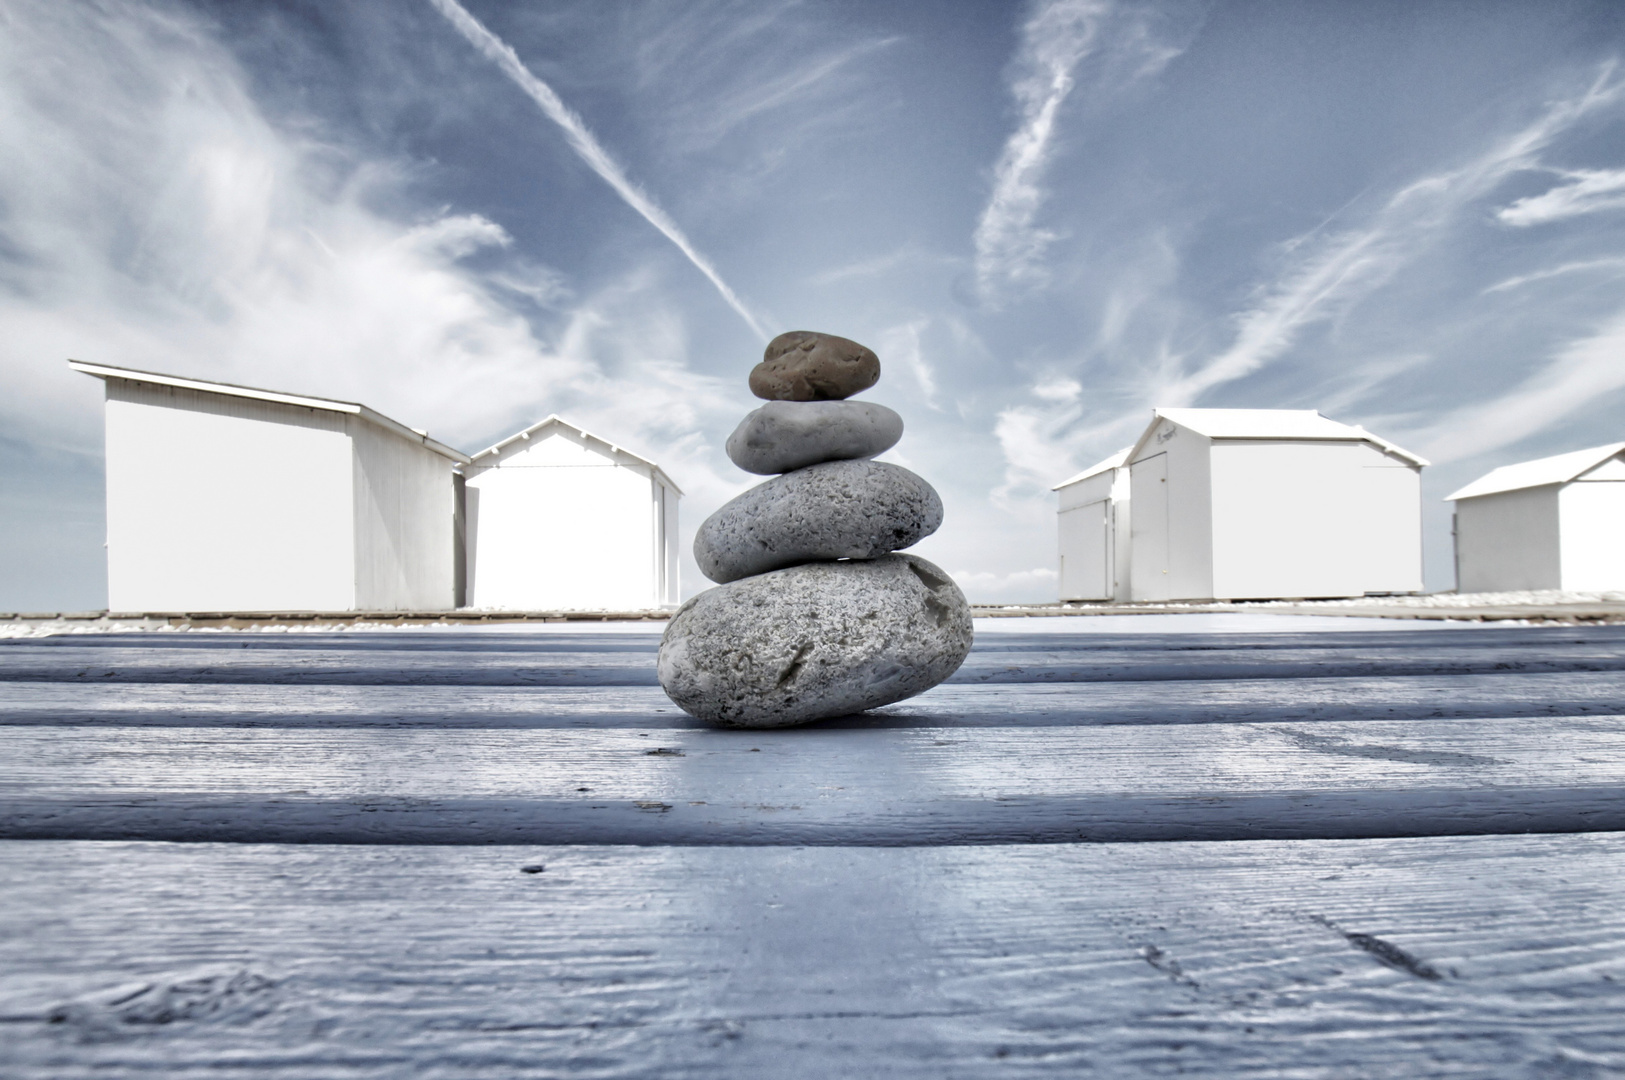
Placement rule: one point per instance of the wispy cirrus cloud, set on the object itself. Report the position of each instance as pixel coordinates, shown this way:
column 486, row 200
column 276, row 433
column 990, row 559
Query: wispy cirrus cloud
column 1577, row 375
column 876, row 266
column 900, row 345
column 1034, row 441
column 810, row 79
column 1586, row 191
column 1581, row 266
column 1056, row 39
column 1325, row 272
column 742, row 89
column 152, row 217
column 589, row 149
column 1329, row 272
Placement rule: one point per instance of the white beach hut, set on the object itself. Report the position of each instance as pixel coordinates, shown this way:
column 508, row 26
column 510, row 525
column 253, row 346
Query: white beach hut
column 559, row 519
column 1270, row 503
column 1093, row 528
column 231, row 498
column 1553, row 523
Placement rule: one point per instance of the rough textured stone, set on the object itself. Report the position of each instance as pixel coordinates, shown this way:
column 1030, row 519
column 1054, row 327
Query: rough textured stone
column 803, row 365
column 837, row 510
column 786, row 435
column 815, row 641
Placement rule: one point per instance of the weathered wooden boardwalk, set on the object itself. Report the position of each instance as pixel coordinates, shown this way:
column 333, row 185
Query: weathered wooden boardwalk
column 465, row 854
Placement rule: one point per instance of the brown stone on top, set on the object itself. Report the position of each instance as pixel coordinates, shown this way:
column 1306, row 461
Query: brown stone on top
column 803, row 365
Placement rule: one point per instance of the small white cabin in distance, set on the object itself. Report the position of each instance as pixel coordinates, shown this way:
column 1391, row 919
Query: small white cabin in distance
column 1552, row 523
column 1094, row 531
column 559, row 519
column 231, row 498
column 1250, row 504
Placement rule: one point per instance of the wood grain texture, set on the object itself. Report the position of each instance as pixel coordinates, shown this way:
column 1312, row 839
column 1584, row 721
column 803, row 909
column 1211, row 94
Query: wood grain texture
column 1048, row 662
column 362, row 659
column 336, row 667
column 840, row 900
column 403, row 641
column 1396, row 697
column 819, row 786
column 525, row 640
column 1460, row 957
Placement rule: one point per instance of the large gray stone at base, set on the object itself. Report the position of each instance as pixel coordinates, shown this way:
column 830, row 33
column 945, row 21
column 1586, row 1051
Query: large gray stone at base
column 815, row 641
column 837, row 510
column 786, row 435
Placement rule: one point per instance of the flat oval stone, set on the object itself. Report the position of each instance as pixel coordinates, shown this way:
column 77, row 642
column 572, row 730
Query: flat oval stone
column 786, row 435
column 814, row 641
column 837, row 510
column 804, row 365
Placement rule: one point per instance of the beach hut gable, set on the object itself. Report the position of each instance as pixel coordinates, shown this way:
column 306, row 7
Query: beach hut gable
column 1551, row 523
column 1610, row 470
column 1263, row 503
column 1271, row 424
column 1557, row 469
column 557, row 442
column 561, row 519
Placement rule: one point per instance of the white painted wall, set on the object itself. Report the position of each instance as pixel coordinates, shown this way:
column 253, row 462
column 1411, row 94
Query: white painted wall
column 1086, row 551
column 561, row 525
column 1592, row 534
column 1094, row 543
column 1509, row 541
column 666, row 554
column 1084, row 538
column 218, row 503
column 1313, row 518
column 1190, row 512
column 1150, row 574
column 1172, row 529
column 404, row 520
column 1282, row 524
column 1391, row 526
column 1267, row 518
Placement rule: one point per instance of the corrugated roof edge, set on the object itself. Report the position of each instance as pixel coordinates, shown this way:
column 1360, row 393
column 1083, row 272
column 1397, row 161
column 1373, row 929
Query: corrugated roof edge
column 555, row 418
column 1557, row 469
column 1116, row 461
column 108, row 371
column 1353, row 432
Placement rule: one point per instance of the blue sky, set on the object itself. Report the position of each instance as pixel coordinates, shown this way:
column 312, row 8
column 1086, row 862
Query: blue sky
column 1046, row 217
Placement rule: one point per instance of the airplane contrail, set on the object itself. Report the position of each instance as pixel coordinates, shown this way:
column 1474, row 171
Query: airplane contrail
column 582, row 141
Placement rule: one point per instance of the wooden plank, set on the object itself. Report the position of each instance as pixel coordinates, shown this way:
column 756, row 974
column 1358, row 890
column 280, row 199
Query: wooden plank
column 1370, row 637
column 997, row 658
column 1431, row 697
column 814, row 786
column 1490, row 956
column 1077, row 662
column 412, row 641
column 323, row 706
column 342, row 667
column 569, row 640
column 1399, row 697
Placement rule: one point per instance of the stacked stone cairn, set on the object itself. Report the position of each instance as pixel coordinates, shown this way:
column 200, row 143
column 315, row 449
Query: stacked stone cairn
column 815, row 616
